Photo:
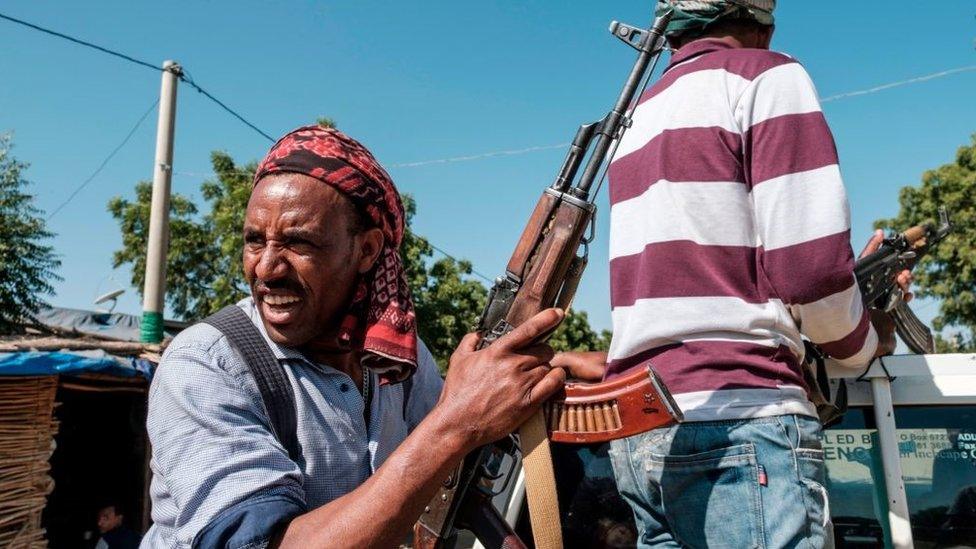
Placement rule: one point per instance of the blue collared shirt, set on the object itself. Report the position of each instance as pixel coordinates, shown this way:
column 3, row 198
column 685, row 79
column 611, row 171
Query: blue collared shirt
column 220, row 475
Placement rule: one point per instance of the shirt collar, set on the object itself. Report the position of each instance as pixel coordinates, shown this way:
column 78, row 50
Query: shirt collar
column 280, row 351
column 698, row 48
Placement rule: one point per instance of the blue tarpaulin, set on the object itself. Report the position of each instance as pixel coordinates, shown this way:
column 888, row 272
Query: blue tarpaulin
column 34, row 363
column 115, row 326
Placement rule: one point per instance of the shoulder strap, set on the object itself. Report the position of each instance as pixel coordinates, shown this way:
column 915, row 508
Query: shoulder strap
column 407, row 389
column 276, row 392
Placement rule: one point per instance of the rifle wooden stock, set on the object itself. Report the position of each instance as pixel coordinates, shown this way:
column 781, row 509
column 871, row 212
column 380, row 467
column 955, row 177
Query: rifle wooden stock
column 916, row 235
column 543, row 256
column 547, row 267
column 526, row 244
column 543, row 272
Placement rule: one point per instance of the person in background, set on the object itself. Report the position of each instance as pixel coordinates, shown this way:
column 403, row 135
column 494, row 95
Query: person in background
column 114, row 533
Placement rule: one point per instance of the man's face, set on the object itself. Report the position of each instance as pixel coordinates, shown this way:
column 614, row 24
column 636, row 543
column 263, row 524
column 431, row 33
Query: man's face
column 300, row 259
column 108, row 520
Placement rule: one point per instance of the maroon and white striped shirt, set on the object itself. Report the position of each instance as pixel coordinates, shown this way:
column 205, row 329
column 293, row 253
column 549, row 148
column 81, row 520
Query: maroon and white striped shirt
column 730, row 236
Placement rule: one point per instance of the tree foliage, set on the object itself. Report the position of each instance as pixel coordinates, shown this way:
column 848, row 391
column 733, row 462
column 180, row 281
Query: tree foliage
column 948, row 272
column 27, row 265
column 204, row 270
column 227, row 196
column 448, row 301
column 575, row 334
column 203, row 263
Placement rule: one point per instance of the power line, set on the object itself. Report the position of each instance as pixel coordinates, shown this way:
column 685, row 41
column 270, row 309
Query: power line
column 508, row 152
column 479, row 156
column 456, row 260
column 80, row 42
column 512, row 152
column 525, row 150
column 449, row 256
column 182, row 74
column 189, row 80
column 898, row 83
column 106, row 161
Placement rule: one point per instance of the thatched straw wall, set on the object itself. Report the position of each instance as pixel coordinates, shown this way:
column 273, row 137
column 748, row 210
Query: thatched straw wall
column 27, row 429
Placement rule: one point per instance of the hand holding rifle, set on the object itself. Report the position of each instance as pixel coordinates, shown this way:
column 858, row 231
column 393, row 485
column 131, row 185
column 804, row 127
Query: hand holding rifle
column 883, row 323
column 581, row 365
column 883, row 274
column 543, row 272
column 488, row 393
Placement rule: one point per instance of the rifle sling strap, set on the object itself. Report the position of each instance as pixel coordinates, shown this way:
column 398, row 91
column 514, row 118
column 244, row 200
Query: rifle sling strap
column 829, row 410
column 540, row 483
column 268, row 374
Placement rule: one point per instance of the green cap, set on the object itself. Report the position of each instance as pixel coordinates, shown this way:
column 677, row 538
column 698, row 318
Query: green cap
column 699, row 14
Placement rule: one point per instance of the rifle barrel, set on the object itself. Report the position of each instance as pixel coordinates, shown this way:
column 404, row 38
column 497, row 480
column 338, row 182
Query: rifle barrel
column 610, row 126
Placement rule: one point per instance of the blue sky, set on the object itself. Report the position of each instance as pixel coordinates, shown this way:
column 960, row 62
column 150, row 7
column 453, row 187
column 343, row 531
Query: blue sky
column 429, row 80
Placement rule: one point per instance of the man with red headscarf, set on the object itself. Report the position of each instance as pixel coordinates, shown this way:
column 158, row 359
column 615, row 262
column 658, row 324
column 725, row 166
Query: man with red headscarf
column 329, row 298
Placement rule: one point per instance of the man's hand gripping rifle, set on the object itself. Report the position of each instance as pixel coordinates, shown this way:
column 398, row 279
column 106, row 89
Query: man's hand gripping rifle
column 543, row 272
column 877, row 273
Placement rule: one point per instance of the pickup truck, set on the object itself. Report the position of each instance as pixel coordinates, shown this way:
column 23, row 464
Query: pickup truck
column 901, row 465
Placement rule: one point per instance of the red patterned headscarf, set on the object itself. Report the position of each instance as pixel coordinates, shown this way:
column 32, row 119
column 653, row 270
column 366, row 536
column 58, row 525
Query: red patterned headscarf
column 381, row 321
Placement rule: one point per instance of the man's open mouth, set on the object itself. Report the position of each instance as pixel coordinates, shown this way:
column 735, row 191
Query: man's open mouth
column 280, row 309
column 281, row 299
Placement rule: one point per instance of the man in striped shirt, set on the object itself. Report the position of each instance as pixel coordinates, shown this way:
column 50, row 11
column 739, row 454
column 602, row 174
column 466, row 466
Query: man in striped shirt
column 729, row 241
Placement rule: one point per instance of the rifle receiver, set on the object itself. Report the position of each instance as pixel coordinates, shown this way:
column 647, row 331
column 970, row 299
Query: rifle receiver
column 543, row 272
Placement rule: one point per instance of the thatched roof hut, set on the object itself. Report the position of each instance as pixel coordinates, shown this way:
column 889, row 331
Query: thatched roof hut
column 72, row 437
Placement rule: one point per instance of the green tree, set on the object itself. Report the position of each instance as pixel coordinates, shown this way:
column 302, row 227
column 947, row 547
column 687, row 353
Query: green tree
column 447, row 299
column 204, row 270
column 575, row 334
column 27, row 266
column 227, row 196
column 449, row 302
column 203, row 264
column 948, row 272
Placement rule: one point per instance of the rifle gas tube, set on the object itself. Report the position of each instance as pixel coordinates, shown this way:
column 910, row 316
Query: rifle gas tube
column 543, row 272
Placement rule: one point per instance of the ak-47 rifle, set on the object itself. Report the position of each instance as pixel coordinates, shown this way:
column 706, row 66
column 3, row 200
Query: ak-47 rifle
column 877, row 278
column 543, row 272
column 876, row 275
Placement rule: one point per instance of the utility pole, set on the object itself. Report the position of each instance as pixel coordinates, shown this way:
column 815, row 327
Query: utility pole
column 154, row 291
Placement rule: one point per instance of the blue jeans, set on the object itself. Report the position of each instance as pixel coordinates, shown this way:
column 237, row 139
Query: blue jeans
column 738, row 484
